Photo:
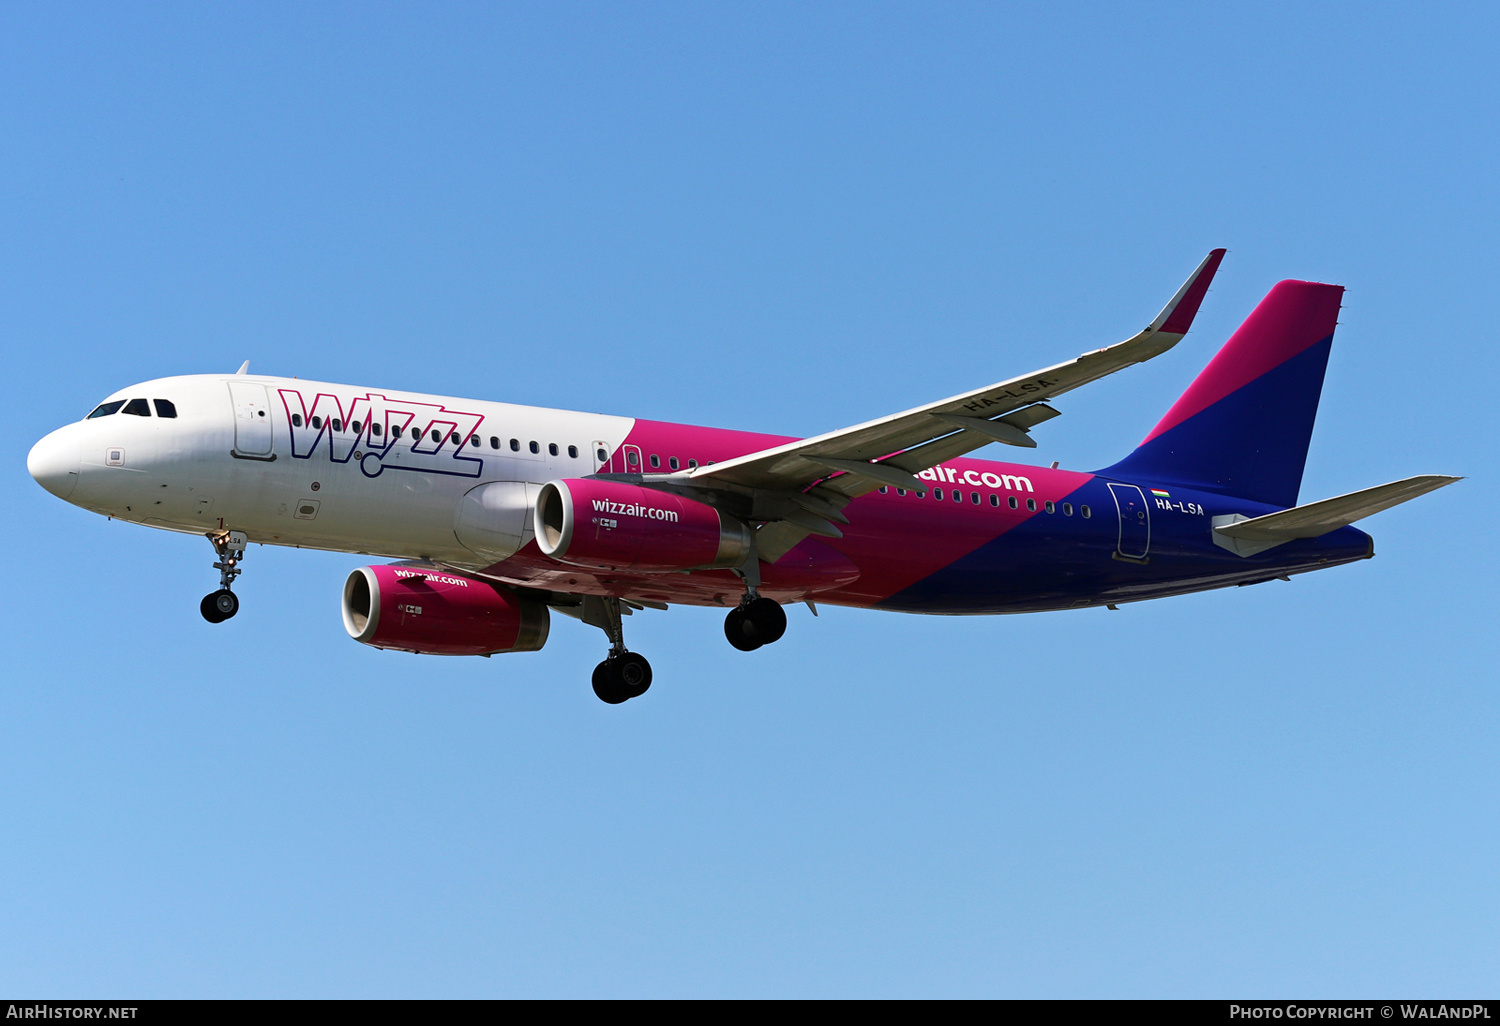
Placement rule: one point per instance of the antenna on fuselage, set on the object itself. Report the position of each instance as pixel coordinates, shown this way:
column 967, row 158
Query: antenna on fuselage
column 244, row 368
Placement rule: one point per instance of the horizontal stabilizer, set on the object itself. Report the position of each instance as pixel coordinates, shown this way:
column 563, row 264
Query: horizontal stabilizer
column 1245, row 536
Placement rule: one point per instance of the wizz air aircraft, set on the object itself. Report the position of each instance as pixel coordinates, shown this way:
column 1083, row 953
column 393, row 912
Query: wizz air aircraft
column 498, row 515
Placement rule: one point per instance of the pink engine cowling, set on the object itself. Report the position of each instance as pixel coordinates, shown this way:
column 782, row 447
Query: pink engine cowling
column 611, row 525
column 415, row 609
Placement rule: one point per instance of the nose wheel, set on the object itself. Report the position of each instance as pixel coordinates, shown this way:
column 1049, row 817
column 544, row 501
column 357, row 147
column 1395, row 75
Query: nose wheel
column 220, row 605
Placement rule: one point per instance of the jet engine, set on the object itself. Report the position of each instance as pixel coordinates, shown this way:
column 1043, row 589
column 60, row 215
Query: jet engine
column 415, row 609
column 610, row 525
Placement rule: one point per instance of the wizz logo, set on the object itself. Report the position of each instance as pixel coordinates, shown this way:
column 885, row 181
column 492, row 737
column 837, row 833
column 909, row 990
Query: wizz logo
column 383, row 434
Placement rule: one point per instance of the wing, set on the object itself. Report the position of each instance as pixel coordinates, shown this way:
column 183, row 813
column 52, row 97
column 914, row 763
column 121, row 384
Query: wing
column 843, row 464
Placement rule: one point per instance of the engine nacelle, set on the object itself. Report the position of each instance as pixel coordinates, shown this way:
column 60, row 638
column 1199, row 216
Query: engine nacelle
column 610, row 525
column 412, row 609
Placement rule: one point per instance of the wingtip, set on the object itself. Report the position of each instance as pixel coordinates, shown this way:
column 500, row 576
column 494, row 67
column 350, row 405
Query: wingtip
column 1178, row 316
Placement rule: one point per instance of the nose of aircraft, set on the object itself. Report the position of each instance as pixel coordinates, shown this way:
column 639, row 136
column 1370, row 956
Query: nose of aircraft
column 54, row 462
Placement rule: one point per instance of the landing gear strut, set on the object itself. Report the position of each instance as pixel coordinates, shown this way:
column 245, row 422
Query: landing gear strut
column 220, row 605
column 757, row 620
column 623, row 675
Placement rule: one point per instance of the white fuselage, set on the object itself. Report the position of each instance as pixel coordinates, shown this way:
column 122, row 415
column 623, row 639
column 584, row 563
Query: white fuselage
column 316, row 465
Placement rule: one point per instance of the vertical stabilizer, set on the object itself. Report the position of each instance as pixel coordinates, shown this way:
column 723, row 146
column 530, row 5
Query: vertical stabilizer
column 1243, row 426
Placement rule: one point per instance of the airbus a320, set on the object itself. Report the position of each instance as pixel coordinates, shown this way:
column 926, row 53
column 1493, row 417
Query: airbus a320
column 498, row 515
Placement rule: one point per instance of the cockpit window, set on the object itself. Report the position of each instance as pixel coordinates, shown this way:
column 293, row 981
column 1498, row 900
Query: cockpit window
column 105, row 409
column 164, row 408
column 137, row 408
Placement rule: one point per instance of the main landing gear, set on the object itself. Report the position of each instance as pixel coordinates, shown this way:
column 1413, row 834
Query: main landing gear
column 220, row 605
column 623, row 675
column 756, row 621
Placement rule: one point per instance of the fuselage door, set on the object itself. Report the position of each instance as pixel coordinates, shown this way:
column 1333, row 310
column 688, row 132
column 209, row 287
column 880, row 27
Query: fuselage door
column 628, row 460
column 252, row 420
column 1135, row 521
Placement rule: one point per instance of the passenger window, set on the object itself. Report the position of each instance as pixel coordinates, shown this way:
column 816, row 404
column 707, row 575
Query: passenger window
column 655, row 461
column 1031, row 505
column 1013, row 503
column 296, row 420
column 355, row 427
column 515, row 445
column 884, row 490
column 572, row 452
column 494, row 442
column 376, row 430
column 453, row 437
column 958, row 496
column 474, row 441
column 137, row 408
column 937, row 493
column 437, row 436
column 396, row 432
column 164, row 408
column 338, row 425
column 552, row 448
column 975, row 497
column 994, row 499
column 105, row 409
column 1067, row 509
column 317, row 423
column 1085, row 511
column 535, row 449
column 692, row 464
column 900, row 491
column 673, row 463
column 1051, row 506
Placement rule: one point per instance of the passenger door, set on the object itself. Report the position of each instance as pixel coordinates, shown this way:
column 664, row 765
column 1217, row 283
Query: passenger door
column 252, row 420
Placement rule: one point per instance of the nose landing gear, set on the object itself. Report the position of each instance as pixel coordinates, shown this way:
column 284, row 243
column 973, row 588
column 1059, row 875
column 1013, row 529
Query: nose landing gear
column 220, row 605
column 623, row 675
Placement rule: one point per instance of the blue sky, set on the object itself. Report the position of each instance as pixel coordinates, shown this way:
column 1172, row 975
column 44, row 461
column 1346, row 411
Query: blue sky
column 773, row 217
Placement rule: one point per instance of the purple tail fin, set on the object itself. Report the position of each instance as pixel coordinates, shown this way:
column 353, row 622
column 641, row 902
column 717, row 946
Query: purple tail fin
column 1243, row 426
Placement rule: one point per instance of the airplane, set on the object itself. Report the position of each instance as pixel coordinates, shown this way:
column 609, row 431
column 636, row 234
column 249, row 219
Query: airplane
column 498, row 515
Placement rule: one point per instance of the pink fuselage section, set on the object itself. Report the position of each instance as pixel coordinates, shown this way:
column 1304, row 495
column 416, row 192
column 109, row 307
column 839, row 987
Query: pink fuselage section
column 892, row 540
